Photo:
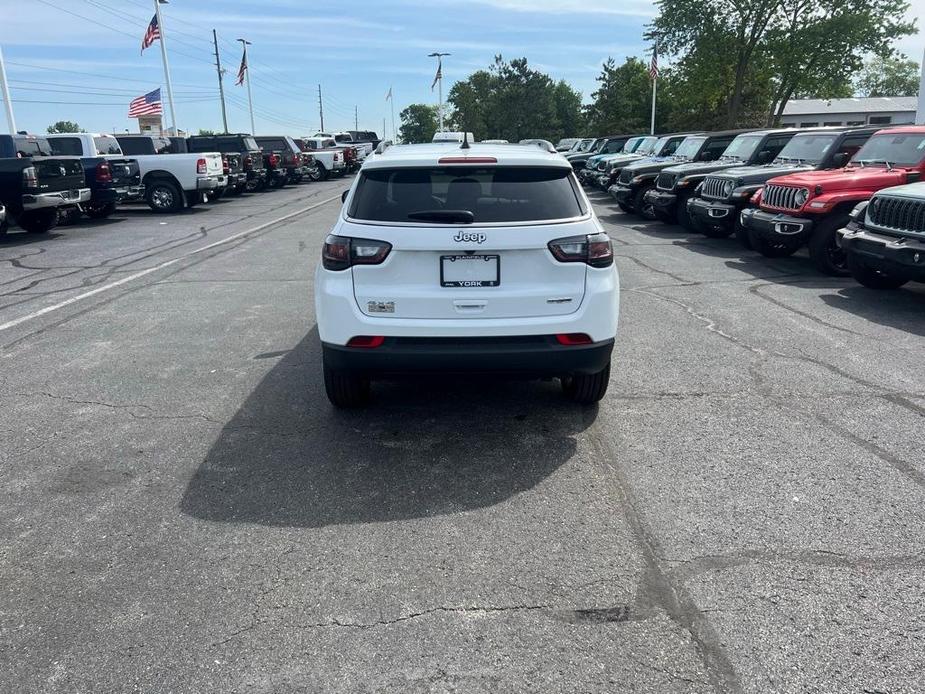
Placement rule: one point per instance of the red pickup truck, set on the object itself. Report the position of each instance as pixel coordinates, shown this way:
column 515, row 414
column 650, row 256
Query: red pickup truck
column 810, row 207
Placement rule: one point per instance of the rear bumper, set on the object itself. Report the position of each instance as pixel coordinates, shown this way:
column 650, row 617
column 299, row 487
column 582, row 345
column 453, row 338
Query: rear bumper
column 56, row 199
column 118, row 194
column 776, row 227
column 211, row 182
column 538, row 355
column 716, row 214
column 900, row 256
column 256, row 175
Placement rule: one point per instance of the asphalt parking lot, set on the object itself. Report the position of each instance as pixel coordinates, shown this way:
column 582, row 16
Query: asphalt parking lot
column 182, row 510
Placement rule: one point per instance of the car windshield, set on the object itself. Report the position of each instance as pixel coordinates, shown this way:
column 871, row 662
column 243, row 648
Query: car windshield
column 895, row 149
column 742, row 147
column 808, row 148
column 486, row 195
column 106, row 144
column 583, row 146
column 689, row 147
column 647, row 145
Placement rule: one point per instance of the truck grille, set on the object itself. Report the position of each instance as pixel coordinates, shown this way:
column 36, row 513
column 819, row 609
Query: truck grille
column 626, row 176
column 666, row 181
column 904, row 214
column 713, row 188
column 782, row 197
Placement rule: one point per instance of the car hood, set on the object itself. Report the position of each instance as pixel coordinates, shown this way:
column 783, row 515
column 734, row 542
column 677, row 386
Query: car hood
column 701, row 168
column 761, row 173
column 910, row 190
column 850, row 178
column 622, row 159
column 652, row 165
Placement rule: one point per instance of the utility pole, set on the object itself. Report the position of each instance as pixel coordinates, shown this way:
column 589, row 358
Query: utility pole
column 247, row 78
column 439, row 80
column 221, row 88
column 320, row 108
column 5, row 89
column 160, row 26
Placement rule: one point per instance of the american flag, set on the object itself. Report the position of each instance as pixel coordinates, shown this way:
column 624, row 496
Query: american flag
column 147, row 105
column 151, row 35
column 653, row 64
column 243, row 69
column 438, row 76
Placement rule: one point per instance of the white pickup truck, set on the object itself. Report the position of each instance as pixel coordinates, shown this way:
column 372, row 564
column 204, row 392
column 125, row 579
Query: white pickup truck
column 172, row 180
column 329, row 157
column 364, row 149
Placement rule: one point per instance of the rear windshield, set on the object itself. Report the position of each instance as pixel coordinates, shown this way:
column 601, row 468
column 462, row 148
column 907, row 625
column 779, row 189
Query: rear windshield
column 107, row 145
column 897, row 150
column 496, row 194
column 66, row 146
column 689, row 148
column 810, row 149
column 33, row 147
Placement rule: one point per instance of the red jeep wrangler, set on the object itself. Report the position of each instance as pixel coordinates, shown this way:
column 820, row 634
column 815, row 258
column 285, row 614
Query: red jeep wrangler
column 810, row 207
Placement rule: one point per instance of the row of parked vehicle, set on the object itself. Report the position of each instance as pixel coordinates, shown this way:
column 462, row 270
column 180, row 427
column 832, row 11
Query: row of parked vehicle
column 851, row 195
column 49, row 179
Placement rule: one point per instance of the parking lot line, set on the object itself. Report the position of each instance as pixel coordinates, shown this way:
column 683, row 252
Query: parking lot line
column 167, row 263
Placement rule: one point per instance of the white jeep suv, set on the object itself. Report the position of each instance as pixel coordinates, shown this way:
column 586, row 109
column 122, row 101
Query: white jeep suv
column 483, row 258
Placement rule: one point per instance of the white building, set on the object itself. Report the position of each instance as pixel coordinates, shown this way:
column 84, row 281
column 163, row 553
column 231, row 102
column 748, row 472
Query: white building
column 871, row 110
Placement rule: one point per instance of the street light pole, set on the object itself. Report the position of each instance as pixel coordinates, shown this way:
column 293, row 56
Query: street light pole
column 5, row 89
column 439, row 81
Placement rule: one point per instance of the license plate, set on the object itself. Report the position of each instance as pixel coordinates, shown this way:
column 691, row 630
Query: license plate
column 470, row 270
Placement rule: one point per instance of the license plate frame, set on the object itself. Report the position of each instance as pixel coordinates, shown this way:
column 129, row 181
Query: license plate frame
column 470, row 258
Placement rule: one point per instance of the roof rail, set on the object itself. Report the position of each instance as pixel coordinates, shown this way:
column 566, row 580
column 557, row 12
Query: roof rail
column 384, row 145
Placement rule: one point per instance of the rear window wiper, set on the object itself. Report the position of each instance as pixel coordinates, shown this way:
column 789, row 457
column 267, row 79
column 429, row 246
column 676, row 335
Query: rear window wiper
column 450, row 216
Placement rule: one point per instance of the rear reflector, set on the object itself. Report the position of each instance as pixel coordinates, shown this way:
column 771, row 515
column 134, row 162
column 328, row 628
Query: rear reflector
column 571, row 339
column 467, row 160
column 366, row 341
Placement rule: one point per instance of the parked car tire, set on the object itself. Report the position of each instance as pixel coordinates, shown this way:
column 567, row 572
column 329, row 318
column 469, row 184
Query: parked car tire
column 215, row 194
column 682, row 214
column 68, row 216
column 345, row 389
column 314, row 172
column 100, row 211
column 164, row 196
column 626, row 208
column 39, row 221
column 741, row 233
column 276, row 182
column 640, row 207
column 325, row 174
column 824, row 250
column 663, row 217
column 4, row 227
column 871, row 277
column 587, row 389
column 772, row 249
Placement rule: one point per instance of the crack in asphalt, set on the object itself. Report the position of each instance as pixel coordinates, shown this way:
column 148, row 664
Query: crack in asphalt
column 756, row 291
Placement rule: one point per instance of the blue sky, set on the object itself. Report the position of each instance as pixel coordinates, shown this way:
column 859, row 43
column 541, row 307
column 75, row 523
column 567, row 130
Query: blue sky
column 356, row 50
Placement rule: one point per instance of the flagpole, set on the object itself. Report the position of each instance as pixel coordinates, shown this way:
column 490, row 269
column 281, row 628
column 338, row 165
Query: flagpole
column 160, row 28
column 654, row 90
column 5, row 92
column 392, row 104
column 247, row 80
column 439, row 77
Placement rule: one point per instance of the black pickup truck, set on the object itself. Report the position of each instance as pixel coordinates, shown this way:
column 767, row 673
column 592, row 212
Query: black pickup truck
column 34, row 185
column 111, row 177
column 246, row 168
column 290, row 156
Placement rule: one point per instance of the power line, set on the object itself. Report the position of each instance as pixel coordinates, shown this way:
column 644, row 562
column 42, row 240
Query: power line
column 118, row 78
column 100, row 91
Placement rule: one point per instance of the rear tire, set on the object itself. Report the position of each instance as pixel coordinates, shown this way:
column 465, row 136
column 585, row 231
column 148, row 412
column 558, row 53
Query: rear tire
column 772, row 249
column 626, row 208
column 345, row 389
column 824, row 250
column 39, row 221
column 587, row 389
column 164, row 196
column 871, row 277
column 640, row 206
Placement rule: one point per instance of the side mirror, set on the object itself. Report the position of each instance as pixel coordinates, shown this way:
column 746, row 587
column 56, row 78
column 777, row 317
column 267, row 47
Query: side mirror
column 840, row 160
column 343, row 196
column 765, row 156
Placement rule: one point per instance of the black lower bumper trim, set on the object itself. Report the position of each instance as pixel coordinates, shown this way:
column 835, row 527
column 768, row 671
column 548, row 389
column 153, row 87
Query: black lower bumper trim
column 895, row 256
column 777, row 227
column 534, row 355
column 716, row 214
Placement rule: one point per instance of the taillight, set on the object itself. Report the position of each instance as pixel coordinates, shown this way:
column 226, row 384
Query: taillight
column 274, row 160
column 572, row 339
column 594, row 249
column 366, row 341
column 103, row 173
column 201, row 166
column 342, row 252
column 29, row 177
column 248, row 162
column 226, row 167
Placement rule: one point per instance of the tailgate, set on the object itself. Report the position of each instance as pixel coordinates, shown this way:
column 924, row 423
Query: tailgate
column 214, row 165
column 125, row 172
column 56, row 174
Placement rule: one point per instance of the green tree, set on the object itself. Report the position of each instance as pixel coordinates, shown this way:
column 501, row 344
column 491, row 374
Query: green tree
column 418, row 123
column 897, row 76
column 206, row 132
column 63, row 126
column 622, row 102
column 511, row 101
